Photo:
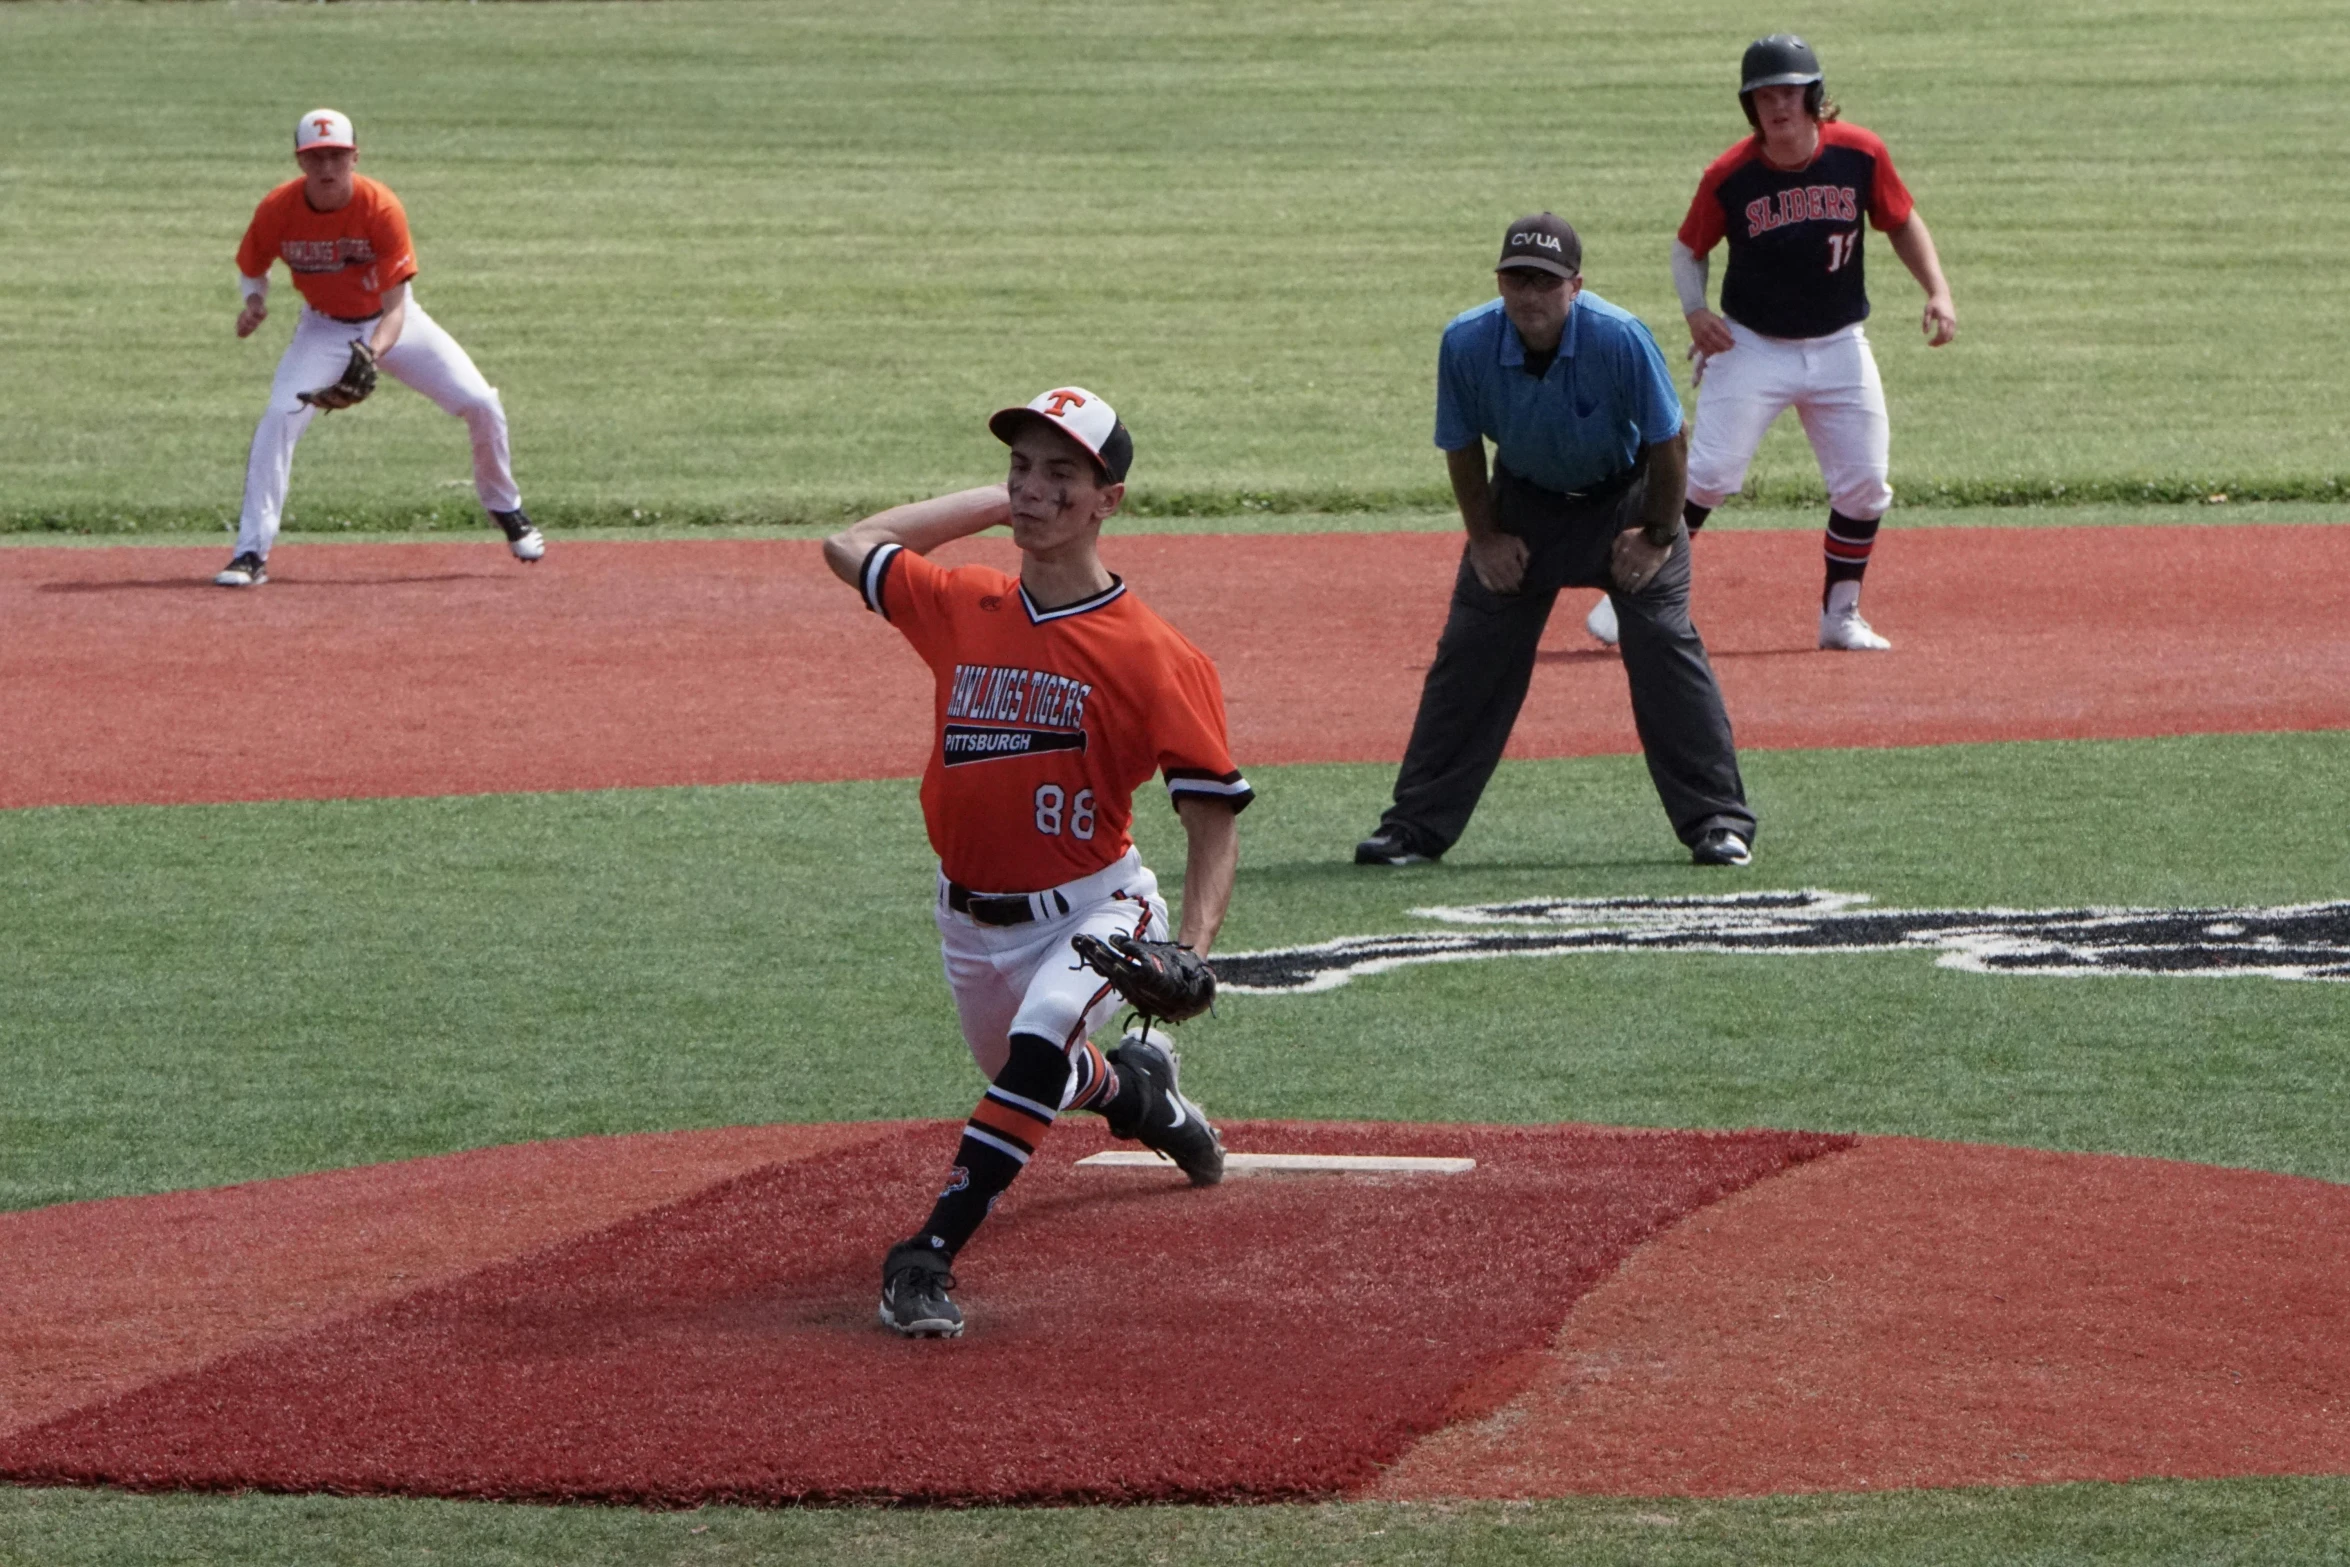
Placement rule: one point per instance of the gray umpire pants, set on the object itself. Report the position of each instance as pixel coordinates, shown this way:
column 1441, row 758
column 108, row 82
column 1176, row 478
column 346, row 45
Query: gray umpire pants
column 1485, row 659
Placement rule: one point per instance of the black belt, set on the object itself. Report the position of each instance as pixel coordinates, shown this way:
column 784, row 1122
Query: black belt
column 356, row 320
column 1011, row 908
column 1608, row 488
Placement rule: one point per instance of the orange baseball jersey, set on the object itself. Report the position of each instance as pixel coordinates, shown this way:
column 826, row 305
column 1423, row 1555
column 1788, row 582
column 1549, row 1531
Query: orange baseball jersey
column 1048, row 720
column 342, row 261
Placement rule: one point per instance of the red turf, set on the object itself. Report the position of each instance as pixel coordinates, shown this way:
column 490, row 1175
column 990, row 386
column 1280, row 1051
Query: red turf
column 1132, row 1339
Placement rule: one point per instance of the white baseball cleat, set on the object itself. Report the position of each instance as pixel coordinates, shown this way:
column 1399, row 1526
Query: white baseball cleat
column 1601, row 622
column 522, row 537
column 1846, row 632
column 246, row 571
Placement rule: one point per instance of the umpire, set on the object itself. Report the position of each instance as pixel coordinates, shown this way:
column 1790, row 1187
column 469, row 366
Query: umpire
column 1589, row 466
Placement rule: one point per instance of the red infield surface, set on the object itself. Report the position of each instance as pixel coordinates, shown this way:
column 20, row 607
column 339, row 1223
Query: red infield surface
column 1133, row 1339
column 448, row 669
column 1936, row 1314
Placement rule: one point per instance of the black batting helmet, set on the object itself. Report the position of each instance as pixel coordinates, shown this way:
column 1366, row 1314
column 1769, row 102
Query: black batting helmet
column 1781, row 60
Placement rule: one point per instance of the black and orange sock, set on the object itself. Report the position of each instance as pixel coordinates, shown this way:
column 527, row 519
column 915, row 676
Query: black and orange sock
column 1847, row 545
column 1004, row 1130
column 1097, row 1080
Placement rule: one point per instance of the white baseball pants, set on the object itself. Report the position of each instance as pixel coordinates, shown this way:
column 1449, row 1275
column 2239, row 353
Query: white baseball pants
column 1832, row 384
column 426, row 358
column 1025, row 979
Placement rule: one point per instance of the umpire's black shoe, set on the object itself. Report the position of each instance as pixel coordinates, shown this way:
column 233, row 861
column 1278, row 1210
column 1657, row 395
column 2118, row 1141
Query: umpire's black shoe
column 1390, row 845
column 1150, row 1109
column 1721, row 846
column 914, row 1285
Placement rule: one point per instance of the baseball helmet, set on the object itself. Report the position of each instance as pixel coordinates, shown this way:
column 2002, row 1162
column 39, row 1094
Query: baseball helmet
column 1781, row 60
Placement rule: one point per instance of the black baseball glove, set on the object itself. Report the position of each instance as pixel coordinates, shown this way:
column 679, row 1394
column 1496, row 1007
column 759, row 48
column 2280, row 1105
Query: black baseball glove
column 1159, row 979
column 358, row 380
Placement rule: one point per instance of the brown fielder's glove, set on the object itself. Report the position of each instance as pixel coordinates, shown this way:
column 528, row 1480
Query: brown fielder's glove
column 358, row 380
column 1159, row 979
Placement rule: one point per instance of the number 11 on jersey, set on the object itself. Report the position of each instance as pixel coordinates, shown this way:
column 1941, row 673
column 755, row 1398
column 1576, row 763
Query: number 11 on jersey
column 1840, row 249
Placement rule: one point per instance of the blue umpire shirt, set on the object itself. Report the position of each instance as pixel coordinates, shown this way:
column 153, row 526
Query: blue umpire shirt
column 1605, row 396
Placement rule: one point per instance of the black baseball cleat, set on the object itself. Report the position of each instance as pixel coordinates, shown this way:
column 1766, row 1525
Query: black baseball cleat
column 914, row 1285
column 1158, row 1116
column 522, row 536
column 247, row 570
column 1390, row 845
column 1720, row 846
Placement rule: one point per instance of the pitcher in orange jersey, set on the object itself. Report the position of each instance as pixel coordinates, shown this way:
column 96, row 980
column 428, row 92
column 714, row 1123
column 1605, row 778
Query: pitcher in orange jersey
column 345, row 240
column 1058, row 694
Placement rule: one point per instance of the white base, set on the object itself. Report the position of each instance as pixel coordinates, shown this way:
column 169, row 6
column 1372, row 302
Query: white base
column 1293, row 1163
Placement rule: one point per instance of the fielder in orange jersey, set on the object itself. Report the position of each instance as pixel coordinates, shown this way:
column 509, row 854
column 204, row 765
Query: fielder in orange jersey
column 1058, row 694
column 345, row 240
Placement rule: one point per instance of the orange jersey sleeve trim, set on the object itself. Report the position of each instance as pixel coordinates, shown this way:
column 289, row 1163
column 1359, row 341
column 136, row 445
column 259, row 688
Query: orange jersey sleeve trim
column 1890, row 203
column 1705, row 223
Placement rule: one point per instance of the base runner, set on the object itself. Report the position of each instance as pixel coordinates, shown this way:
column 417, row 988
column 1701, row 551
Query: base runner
column 345, row 240
column 1791, row 200
column 1058, row 693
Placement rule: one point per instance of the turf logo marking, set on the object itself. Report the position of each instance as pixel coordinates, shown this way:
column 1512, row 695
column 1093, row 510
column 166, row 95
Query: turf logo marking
column 2307, row 941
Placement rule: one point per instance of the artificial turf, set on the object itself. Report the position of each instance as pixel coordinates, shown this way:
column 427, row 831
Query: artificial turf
column 208, row 994
column 1737, row 516
column 2264, row 1522
column 756, row 260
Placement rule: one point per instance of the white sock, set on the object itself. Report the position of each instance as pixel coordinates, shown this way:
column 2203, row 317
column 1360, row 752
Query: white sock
column 1844, row 597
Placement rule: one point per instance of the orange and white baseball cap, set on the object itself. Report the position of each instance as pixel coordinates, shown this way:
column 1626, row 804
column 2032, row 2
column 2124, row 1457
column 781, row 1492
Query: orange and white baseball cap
column 1080, row 415
column 323, row 128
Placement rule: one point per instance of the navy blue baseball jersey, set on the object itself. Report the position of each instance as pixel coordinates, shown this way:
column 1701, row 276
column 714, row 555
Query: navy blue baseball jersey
column 1795, row 234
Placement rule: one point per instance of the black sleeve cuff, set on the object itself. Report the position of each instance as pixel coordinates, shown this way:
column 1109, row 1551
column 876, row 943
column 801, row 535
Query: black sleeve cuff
column 874, row 573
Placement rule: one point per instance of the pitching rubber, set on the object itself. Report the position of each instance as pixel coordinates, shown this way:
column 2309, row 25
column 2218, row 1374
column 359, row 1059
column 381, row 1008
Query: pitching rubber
column 1290, row 1163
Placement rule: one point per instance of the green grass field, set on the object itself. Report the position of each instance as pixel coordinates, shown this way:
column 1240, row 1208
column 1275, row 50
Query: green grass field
column 750, row 266
column 763, row 261
column 346, row 982
column 2257, row 1523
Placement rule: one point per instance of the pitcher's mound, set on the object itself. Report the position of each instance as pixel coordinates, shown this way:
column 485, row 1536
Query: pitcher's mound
column 1131, row 1338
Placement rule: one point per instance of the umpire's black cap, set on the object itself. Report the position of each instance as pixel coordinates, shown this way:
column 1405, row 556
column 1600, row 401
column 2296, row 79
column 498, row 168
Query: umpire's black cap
column 1542, row 242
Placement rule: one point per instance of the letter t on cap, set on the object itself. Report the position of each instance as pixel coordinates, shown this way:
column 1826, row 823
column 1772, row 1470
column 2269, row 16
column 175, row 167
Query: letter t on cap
column 323, row 128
